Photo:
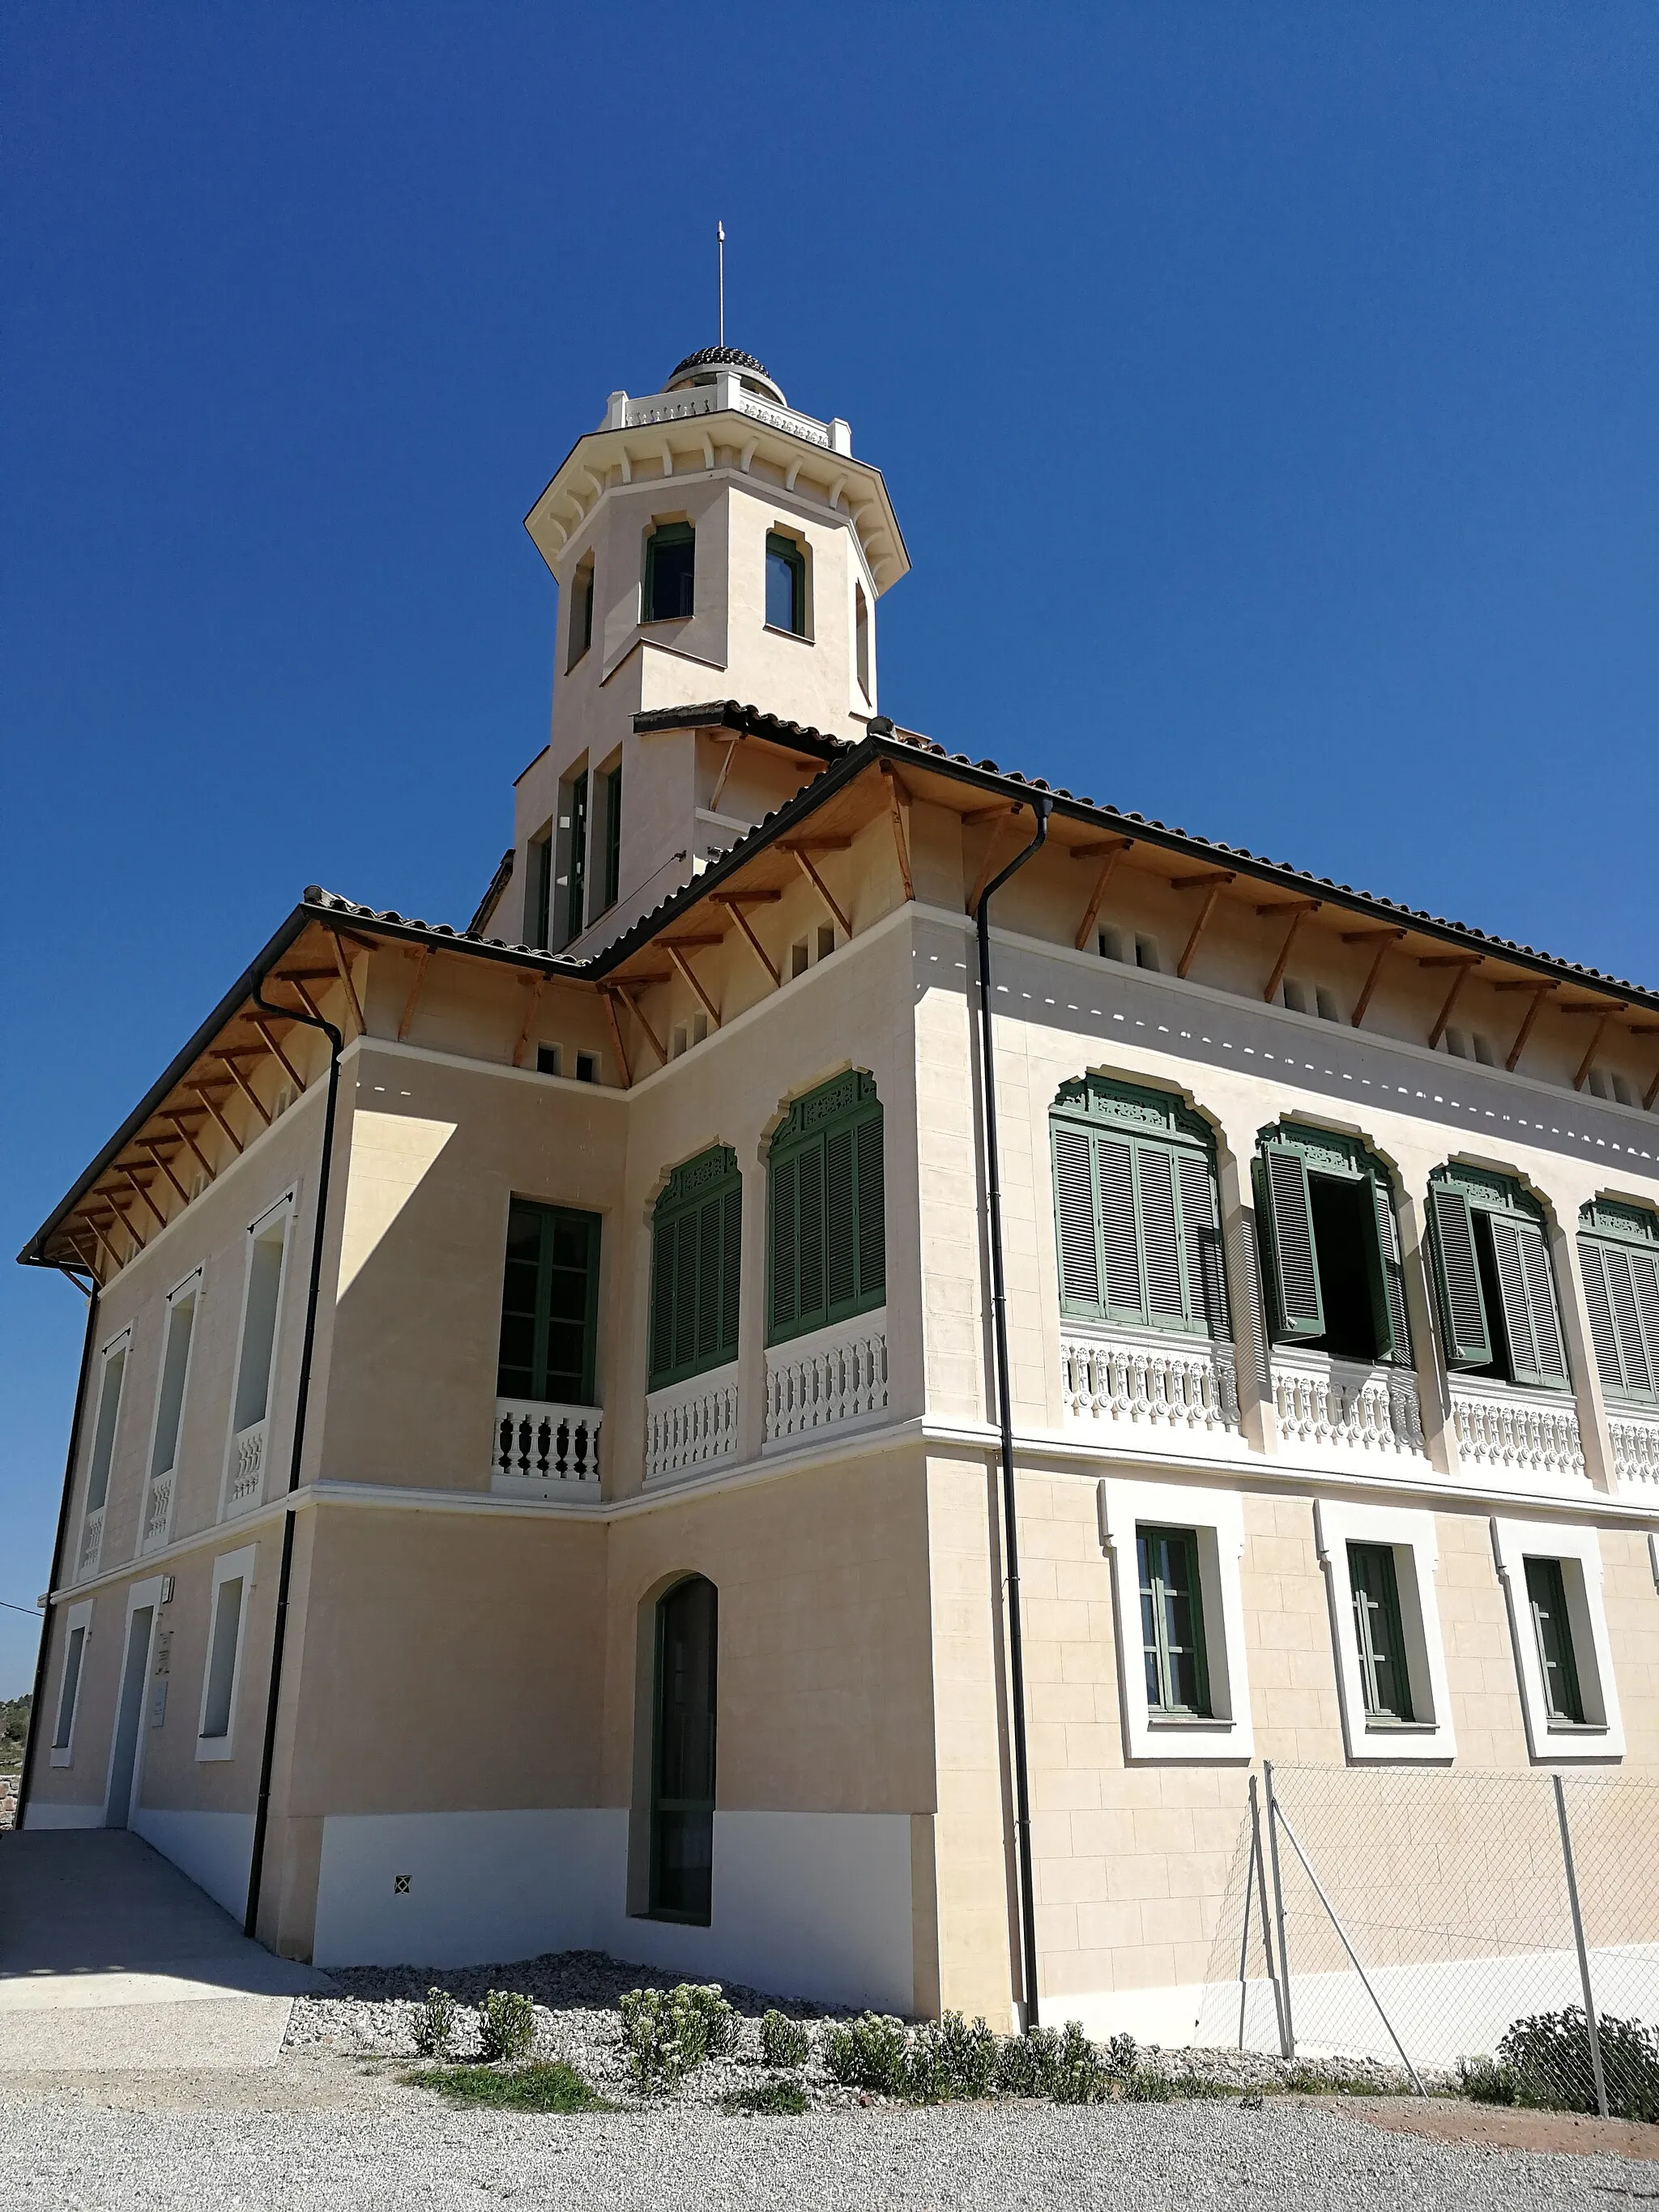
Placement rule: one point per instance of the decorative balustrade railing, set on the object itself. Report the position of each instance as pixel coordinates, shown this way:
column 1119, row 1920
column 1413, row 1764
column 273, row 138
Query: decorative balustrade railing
column 92, row 1542
column 692, row 1424
column 246, row 1483
column 1635, row 1450
column 541, row 1447
column 1321, row 1401
column 158, row 1511
column 1163, row 1382
column 1529, row 1432
column 835, row 1377
column 727, row 395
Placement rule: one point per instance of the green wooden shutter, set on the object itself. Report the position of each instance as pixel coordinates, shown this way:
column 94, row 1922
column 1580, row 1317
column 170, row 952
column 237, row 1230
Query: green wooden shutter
column 1292, row 1266
column 1200, row 1236
column 1644, row 1268
column 841, row 1223
column 1541, row 1301
column 1621, row 1290
column 1523, row 1359
column 663, row 1243
column 1457, row 1280
column 1387, row 1279
column 873, row 1211
column 1597, row 1263
column 809, row 1308
column 686, row 1293
column 731, row 1272
column 1160, row 1237
column 1623, row 1269
column 708, row 1221
column 1119, row 1233
column 1075, row 1223
column 782, row 1183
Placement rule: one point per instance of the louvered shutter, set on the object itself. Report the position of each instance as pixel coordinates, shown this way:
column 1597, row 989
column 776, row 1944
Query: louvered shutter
column 1206, row 1277
column 663, row 1244
column 1541, row 1300
column 784, row 1182
column 685, row 1291
column 1621, row 1268
column 731, row 1271
column 873, row 1211
column 1644, row 1267
column 1512, row 1291
column 1120, row 1237
column 810, row 1312
column 709, row 1279
column 1393, row 1334
column 1292, row 1266
column 1596, row 1260
column 1156, row 1171
column 840, row 1221
column 1457, row 1280
column 1074, row 1218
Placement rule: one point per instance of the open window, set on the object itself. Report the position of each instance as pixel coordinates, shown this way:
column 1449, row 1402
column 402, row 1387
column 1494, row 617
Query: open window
column 1552, row 1577
column 112, row 1387
column 1136, row 1212
column 1385, row 1624
column 786, row 584
column 538, row 892
column 77, row 1634
column 671, row 569
column 697, row 1241
column 1330, row 1246
column 1494, row 1283
column 178, row 1336
column 228, row 1607
column 262, row 1305
column 582, row 612
column 826, row 1220
column 1618, row 1254
column 1175, row 1551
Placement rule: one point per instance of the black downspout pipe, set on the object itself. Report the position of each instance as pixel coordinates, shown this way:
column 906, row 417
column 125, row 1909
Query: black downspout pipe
column 38, row 1703
column 262, row 1811
column 1043, row 807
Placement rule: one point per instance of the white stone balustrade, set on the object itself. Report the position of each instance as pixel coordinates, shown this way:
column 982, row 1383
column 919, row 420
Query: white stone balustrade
column 92, row 1542
column 692, row 1424
column 1635, row 1450
column 1144, row 1379
column 1324, row 1402
column 543, row 1451
column 725, row 395
column 836, row 1377
column 158, row 1509
column 246, row 1483
column 1520, row 1433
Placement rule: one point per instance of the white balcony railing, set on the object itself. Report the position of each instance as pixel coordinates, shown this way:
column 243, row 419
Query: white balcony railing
column 158, row 1511
column 692, row 1424
column 1129, row 1380
column 92, row 1542
column 543, row 1450
column 836, row 1377
column 246, row 1482
column 1322, row 1402
column 1635, row 1450
column 1520, row 1433
column 725, row 395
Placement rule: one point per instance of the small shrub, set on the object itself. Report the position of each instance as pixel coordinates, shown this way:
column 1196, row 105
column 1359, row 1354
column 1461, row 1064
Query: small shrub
column 1148, row 2086
column 506, row 2026
column 435, row 2024
column 666, row 2033
column 1120, row 2057
column 869, row 2053
column 1082, row 2076
column 784, row 2042
column 1065, row 2068
column 948, row 2060
column 766, row 2097
column 554, row 2087
column 1485, row 2081
column 1546, row 2057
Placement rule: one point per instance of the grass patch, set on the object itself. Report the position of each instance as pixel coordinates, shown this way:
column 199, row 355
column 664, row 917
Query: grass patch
column 765, row 2097
column 550, row 2087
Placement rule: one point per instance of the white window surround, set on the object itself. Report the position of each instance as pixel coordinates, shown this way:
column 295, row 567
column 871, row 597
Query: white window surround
column 226, row 1569
column 139, row 1594
column 1411, row 1536
column 288, row 1207
column 1217, row 1520
column 78, row 1617
column 103, row 1443
column 190, row 1288
column 1601, row 1734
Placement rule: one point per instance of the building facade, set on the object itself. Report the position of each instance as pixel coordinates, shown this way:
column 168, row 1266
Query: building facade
column 537, row 1475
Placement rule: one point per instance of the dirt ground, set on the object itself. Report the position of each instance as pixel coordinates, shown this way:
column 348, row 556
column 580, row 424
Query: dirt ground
column 1444, row 2119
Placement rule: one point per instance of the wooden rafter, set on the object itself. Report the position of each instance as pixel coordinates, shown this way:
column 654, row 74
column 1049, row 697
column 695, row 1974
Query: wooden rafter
column 999, row 815
column 92, row 1223
column 230, row 1059
column 534, row 1001
column 422, row 956
column 299, row 983
column 82, row 1258
column 143, row 1192
column 672, row 947
column 180, row 1123
column 1299, row 910
column 265, row 1031
column 1605, row 1012
column 1382, row 938
column 617, row 1038
column 634, row 1008
column 803, row 856
column 1110, row 851
column 153, row 1147
column 726, row 770
column 1649, row 1095
column 1465, row 963
column 896, row 795
column 1540, row 993
column 1212, row 882
column 207, row 1101
column 733, row 903
column 345, row 968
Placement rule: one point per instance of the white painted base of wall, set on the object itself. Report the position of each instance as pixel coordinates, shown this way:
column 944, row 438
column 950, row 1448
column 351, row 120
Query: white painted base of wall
column 213, row 1849
column 814, row 1905
column 39, row 1815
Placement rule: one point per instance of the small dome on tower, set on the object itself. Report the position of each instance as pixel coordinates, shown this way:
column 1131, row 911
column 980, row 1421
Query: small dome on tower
column 700, row 367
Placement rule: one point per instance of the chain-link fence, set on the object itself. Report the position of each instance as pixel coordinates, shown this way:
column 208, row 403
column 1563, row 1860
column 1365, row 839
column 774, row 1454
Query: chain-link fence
column 1422, row 1918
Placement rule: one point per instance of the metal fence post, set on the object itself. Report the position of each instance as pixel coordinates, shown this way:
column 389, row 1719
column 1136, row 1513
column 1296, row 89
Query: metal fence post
column 1583, row 1953
column 1286, row 2024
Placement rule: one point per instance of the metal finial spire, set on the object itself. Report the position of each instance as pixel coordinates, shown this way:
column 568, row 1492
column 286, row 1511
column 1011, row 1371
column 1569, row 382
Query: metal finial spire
column 720, row 234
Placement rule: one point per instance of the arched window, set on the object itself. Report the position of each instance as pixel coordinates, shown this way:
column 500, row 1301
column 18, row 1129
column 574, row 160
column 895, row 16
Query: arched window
column 670, row 567
column 1135, row 1211
column 682, row 1752
column 1330, row 1245
column 786, row 584
column 827, row 1236
column 1618, row 1251
column 1492, row 1275
column 696, row 1235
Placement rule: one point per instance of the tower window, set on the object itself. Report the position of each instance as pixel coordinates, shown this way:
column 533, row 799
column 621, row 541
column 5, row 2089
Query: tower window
column 610, row 795
column 582, row 612
column 786, row 584
column 861, row 637
column 576, row 889
column 670, row 564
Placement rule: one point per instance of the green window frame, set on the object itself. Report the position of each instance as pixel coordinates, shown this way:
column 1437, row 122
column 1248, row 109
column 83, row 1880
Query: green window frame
column 1552, row 1627
column 1379, row 1633
column 1618, row 1256
column 1291, row 1159
column 1493, row 1264
column 684, row 1711
column 670, row 572
column 786, row 584
column 697, row 1239
column 576, row 890
column 612, row 837
column 1172, row 1624
column 826, row 1209
column 1136, row 1214
column 550, row 1304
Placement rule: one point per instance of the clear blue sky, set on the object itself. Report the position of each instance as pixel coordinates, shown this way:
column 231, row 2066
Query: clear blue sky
column 1267, row 393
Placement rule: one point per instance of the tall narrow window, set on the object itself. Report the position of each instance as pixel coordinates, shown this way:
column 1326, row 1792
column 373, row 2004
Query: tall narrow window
column 682, row 1760
column 109, row 1413
column 69, row 1691
column 612, row 785
column 582, row 612
column 861, row 638
column 1495, row 1284
column 670, row 567
column 1619, row 1252
column 576, row 891
column 695, row 1249
column 550, row 1304
column 1135, row 1211
column 539, row 894
column 1546, row 1594
column 826, row 1209
column 175, row 1367
column 786, row 584
column 232, row 1576
column 1330, row 1245
column 1172, row 1623
column 267, row 1245
column 1384, row 1680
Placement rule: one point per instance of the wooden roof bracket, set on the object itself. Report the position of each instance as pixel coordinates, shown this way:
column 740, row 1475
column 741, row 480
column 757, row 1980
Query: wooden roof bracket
column 733, row 903
column 207, row 1101
column 92, row 1224
column 803, row 856
column 1114, row 848
column 161, row 1218
column 265, row 1031
column 1213, row 882
column 345, row 967
column 1540, row 993
column 1649, row 1095
column 617, row 1036
column 179, row 1123
column 1299, row 910
column 422, row 956
column 1382, row 938
column 1000, row 816
column 895, row 794
column 672, row 948
column 1606, row 1014
column 726, row 770
column 1465, row 963
column 243, row 1085
column 536, row 986
column 633, row 1008
column 151, row 1147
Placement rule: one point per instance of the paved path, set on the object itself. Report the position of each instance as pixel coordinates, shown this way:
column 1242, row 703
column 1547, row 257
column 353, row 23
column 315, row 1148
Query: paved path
column 110, row 1958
